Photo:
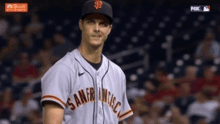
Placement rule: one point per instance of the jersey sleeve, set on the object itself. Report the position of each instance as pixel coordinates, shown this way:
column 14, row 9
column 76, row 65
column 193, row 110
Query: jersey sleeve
column 126, row 110
column 55, row 85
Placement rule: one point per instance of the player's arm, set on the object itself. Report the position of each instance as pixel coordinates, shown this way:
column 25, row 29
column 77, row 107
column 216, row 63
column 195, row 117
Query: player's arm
column 125, row 110
column 55, row 88
column 53, row 113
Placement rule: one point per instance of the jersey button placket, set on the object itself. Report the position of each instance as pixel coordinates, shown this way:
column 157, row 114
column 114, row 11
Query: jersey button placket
column 100, row 115
column 100, row 90
column 98, row 81
column 100, row 112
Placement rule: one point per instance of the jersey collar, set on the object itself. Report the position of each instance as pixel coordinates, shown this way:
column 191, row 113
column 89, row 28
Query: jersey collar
column 85, row 66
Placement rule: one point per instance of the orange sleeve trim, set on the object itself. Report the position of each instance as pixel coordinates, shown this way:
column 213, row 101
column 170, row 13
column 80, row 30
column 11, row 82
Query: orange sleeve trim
column 125, row 114
column 53, row 97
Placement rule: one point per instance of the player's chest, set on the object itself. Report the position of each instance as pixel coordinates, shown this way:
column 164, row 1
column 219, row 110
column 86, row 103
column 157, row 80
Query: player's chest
column 88, row 81
column 87, row 89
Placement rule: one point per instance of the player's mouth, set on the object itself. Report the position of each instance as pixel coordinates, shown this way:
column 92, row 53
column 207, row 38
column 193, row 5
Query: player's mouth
column 96, row 36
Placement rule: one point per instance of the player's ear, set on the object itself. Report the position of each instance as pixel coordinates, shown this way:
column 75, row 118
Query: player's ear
column 80, row 24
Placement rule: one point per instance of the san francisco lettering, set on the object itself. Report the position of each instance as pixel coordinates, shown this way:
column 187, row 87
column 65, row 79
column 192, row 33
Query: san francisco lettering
column 83, row 97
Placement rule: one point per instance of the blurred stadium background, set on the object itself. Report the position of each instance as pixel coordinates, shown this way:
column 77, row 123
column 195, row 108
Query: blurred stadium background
column 171, row 57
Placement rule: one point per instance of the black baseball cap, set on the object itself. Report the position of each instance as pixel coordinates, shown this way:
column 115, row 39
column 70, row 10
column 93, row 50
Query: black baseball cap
column 97, row 7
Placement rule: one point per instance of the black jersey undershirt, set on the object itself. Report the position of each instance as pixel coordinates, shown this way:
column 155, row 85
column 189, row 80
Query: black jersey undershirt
column 95, row 65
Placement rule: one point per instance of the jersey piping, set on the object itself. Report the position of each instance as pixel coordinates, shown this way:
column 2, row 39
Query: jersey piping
column 102, row 90
column 54, row 98
column 93, row 86
column 125, row 114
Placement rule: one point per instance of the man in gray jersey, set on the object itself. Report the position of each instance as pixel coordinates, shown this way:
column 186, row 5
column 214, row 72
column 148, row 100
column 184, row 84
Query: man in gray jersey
column 84, row 87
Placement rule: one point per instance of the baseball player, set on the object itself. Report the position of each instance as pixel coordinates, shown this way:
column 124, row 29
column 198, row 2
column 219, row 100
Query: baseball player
column 84, row 87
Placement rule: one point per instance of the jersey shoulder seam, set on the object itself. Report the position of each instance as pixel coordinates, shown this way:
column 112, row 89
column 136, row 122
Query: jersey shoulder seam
column 62, row 63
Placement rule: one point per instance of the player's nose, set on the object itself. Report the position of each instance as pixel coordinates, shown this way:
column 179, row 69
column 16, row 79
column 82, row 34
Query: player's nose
column 96, row 27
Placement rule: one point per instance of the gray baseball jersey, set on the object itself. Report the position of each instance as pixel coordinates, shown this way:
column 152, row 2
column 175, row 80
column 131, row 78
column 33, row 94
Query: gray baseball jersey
column 88, row 96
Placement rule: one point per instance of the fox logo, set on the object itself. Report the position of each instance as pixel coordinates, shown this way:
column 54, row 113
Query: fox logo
column 196, row 8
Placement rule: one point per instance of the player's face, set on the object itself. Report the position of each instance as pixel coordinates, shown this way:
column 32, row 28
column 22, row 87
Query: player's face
column 95, row 29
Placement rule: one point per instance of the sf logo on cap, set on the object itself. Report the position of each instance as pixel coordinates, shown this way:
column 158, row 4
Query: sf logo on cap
column 98, row 4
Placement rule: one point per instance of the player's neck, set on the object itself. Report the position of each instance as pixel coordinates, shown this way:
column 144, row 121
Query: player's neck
column 90, row 54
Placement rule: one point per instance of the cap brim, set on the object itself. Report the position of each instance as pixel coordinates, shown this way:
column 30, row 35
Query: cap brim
column 108, row 17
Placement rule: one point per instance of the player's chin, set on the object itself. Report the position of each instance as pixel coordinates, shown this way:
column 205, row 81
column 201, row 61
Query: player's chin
column 96, row 43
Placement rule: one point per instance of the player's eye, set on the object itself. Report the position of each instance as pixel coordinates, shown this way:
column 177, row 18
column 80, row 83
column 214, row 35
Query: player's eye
column 104, row 24
column 90, row 21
